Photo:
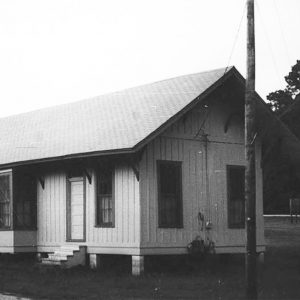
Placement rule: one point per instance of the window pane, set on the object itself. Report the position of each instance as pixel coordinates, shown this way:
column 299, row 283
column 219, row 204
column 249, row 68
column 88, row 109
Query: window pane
column 169, row 194
column 236, row 196
column 5, row 199
column 104, row 210
column 169, row 178
column 24, row 200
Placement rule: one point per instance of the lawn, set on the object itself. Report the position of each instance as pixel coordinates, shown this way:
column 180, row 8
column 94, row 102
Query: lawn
column 216, row 277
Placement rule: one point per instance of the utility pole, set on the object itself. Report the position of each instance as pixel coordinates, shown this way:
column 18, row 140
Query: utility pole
column 250, row 135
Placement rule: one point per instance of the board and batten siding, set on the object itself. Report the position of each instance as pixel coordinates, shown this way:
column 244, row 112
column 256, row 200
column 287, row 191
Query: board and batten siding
column 204, row 182
column 124, row 238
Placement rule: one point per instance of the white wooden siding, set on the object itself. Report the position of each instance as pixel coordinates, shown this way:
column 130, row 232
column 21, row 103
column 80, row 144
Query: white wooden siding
column 51, row 210
column 136, row 211
column 51, row 217
column 202, row 192
column 126, row 232
column 7, row 242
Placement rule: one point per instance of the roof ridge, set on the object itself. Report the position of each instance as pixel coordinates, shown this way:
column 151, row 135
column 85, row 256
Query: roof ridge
column 226, row 70
column 189, row 74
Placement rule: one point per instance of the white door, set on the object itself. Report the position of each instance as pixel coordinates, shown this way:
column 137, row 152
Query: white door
column 76, row 214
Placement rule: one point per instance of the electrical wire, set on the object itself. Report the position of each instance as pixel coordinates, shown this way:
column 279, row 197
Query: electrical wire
column 268, row 41
column 236, row 38
column 282, row 34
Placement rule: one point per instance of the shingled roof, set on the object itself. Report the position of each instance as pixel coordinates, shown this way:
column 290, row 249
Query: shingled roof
column 117, row 122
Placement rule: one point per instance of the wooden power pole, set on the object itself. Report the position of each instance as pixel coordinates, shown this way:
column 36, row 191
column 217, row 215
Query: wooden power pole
column 250, row 135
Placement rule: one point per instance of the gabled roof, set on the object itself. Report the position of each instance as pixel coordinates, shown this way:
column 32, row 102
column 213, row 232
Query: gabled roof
column 119, row 122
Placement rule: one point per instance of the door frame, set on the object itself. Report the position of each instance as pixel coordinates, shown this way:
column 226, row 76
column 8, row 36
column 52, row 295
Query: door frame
column 68, row 209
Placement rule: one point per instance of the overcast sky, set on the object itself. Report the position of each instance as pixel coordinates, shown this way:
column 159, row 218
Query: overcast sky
column 58, row 51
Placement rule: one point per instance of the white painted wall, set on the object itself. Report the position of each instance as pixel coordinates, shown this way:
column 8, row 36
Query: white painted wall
column 124, row 238
column 180, row 143
column 136, row 209
column 7, row 241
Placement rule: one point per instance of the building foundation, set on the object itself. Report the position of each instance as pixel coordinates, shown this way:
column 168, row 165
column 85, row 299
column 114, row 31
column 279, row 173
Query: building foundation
column 137, row 265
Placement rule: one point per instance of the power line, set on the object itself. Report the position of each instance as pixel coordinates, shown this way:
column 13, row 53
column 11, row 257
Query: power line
column 268, row 41
column 282, row 34
column 236, row 38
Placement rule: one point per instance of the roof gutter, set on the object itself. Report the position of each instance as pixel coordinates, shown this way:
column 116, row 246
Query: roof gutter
column 68, row 157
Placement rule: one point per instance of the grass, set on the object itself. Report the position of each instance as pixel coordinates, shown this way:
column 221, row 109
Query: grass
column 216, row 277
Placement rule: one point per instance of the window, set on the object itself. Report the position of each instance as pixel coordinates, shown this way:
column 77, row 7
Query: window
column 105, row 199
column 169, row 194
column 24, row 201
column 5, row 200
column 236, row 196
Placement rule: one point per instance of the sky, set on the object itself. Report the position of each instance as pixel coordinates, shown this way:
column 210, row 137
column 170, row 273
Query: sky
column 59, row 51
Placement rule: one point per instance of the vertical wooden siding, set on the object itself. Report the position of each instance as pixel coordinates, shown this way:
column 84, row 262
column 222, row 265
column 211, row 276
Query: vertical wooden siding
column 52, row 211
column 189, row 152
column 126, row 232
column 136, row 215
column 182, row 142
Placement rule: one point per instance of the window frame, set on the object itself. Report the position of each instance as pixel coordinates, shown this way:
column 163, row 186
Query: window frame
column 11, row 220
column 33, row 203
column 98, row 218
column 179, row 222
column 229, row 222
column 69, row 180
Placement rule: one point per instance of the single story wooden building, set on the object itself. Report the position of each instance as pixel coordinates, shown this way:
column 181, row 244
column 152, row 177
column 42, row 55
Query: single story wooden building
column 144, row 171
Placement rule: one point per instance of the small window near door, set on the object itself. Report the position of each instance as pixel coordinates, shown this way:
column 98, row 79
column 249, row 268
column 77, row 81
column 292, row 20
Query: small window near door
column 105, row 199
column 5, row 200
column 169, row 194
column 236, row 196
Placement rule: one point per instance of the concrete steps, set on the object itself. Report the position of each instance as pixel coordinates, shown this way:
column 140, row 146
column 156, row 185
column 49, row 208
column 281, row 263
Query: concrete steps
column 66, row 256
